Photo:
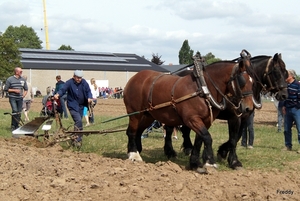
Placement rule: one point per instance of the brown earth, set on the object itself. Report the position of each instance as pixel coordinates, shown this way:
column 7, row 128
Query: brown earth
column 31, row 173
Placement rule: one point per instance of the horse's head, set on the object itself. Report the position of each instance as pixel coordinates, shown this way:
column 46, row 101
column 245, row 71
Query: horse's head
column 275, row 77
column 240, row 90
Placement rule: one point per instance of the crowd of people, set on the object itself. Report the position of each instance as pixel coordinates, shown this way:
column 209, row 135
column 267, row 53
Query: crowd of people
column 77, row 97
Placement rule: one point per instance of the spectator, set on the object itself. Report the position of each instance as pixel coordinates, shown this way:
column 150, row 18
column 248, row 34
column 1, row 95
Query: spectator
column 174, row 132
column 16, row 87
column 48, row 91
column 79, row 96
column 86, row 116
column 27, row 100
column 59, row 84
column 291, row 110
column 250, row 129
column 95, row 94
column 46, row 111
column 280, row 116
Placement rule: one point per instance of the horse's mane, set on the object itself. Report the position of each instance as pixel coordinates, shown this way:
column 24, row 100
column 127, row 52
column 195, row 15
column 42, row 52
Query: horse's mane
column 260, row 57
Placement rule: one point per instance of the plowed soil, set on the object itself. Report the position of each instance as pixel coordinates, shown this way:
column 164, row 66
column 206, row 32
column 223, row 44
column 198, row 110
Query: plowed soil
column 29, row 172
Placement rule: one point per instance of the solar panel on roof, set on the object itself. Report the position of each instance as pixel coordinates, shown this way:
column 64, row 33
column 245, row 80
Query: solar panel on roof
column 72, row 57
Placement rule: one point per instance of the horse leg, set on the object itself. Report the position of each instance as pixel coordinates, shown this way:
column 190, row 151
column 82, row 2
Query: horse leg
column 187, row 143
column 233, row 129
column 132, row 150
column 168, row 147
column 134, row 131
column 195, row 163
column 233, row 161
column 207, row 154
column 202, row 137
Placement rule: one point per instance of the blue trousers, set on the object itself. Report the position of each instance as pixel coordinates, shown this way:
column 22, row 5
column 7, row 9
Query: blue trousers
column 62, row 101
column 291, row 115
column 16, row 106
column 250, row 129
column 77, row 118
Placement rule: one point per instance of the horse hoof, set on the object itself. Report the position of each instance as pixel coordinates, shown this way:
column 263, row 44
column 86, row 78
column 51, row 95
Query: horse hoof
column 220, row 158
column 172, row 155
column 202, row 170
column 134, row 156
column 211, row 165
column 187, row 152
column 238, row 168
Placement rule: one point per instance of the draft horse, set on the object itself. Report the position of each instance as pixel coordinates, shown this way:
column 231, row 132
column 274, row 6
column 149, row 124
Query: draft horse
column 193, row 100
column 269, row 75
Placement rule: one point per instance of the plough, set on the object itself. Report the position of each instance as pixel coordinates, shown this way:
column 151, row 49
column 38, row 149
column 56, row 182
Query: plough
column 51, row 137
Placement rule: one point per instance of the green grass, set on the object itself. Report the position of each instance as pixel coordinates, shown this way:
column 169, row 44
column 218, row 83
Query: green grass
column 266, row 155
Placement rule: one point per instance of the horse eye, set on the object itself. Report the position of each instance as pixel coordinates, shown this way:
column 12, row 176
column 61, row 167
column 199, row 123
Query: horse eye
column 241, row 80
column 276, row 74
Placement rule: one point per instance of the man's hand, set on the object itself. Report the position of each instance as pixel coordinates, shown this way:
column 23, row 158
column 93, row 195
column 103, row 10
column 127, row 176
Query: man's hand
column 56, row 96
column 283, row 110
column 90, row 100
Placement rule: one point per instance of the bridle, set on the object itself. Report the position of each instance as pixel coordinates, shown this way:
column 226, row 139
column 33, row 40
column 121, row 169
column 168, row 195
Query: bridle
column 271, row 71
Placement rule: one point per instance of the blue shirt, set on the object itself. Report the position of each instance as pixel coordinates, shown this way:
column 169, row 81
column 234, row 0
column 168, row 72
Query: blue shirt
column 78, row 93
column 293, row 99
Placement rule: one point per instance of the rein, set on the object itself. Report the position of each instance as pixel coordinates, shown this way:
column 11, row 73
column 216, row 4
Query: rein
column 162, row 105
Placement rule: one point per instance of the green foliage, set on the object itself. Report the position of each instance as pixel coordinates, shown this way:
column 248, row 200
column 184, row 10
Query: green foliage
column 186, row 53
column 23, row 37
column 64, row 47
column 157, row 59
column 210, row 58
column 9, row 57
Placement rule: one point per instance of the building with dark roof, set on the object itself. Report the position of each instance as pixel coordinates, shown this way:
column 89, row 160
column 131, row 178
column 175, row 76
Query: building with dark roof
column 42, row 66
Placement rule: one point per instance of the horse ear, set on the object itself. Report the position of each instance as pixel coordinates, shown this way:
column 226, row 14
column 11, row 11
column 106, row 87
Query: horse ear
column 243, row 64
column 279, row 56
column 275, row 58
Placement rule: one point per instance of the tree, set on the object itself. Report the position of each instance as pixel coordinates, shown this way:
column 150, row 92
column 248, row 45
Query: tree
column 9, row 57
column 23, row 37
column 157, row 59
column 64, row 47
column 210, row 58
column 186, row 53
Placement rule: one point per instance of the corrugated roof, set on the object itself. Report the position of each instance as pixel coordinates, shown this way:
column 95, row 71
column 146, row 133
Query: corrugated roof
column 92, row 61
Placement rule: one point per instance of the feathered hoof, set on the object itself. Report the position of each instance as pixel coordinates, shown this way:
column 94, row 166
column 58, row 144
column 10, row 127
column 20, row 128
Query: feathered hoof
column 172, row 154
column 208, row 165
column 187, row 152
column 134, row 156
column 202, row 170
column 220, row 158
column 238, row 168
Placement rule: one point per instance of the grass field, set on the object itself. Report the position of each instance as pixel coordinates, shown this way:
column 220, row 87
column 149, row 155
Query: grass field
column 266, row 155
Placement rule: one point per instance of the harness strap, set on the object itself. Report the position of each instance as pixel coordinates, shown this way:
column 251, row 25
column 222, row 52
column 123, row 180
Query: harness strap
column 151, row 89
column 188, row 96
column 172, row 92
column 210, row 111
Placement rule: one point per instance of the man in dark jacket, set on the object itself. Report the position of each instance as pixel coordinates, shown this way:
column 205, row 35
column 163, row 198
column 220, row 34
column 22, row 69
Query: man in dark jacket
column 79, row 95
column 62, row 99
column 291, row 109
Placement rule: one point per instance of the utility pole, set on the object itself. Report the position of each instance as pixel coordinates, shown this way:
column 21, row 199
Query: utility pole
column 46, row 26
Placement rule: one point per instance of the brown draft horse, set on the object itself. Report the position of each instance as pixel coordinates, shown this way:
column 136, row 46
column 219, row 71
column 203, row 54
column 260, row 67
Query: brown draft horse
column 269, row 74
column 175, row 101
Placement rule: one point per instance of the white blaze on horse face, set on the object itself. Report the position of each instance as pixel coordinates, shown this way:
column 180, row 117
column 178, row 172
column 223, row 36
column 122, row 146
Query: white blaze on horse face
column 134, row 156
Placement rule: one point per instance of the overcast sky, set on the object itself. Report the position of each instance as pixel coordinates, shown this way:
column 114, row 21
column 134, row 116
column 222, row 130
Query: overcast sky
column 224, row 27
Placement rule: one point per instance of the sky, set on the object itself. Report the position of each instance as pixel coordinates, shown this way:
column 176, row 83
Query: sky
column 223, row 27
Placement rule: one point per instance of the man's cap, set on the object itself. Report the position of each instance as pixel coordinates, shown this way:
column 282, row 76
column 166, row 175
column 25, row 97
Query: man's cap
column 78, row 73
